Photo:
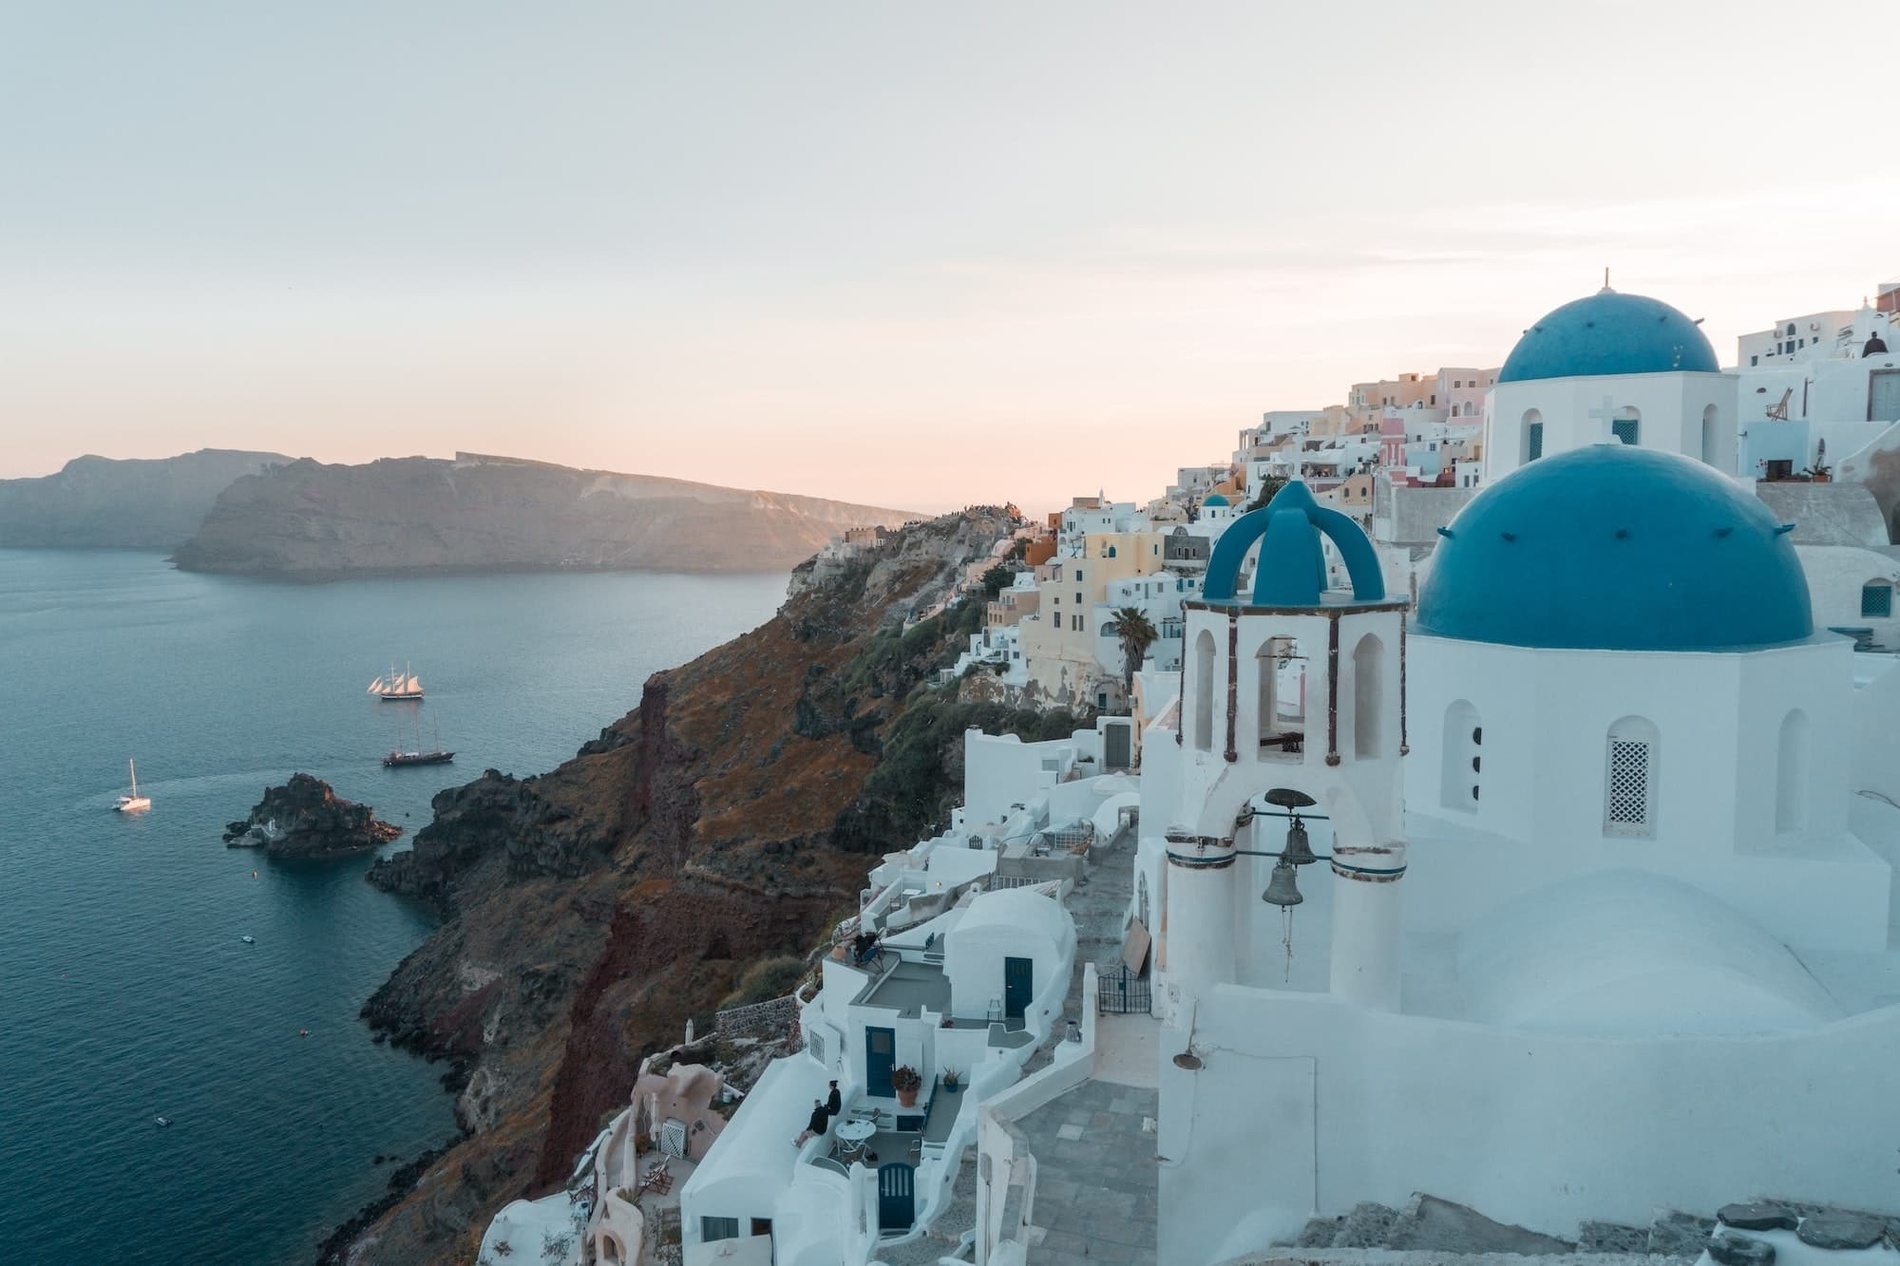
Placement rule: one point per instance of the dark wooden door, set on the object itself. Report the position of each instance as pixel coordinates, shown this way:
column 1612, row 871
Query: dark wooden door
column 896, row 1197
column 880, row 1057
column 1018, row 986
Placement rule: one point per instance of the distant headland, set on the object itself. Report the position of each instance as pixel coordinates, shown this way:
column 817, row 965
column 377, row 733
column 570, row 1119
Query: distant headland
column 264, row 514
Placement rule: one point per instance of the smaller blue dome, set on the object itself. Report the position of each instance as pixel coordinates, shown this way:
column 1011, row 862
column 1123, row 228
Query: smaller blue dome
column 1613, row 547
column 1607, row 334
column 1214, row 499
column 1291, row 570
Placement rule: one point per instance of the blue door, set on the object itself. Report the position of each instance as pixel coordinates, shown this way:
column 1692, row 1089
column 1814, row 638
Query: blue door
column 880, row 1056
column 896, row 1197
column 1018, row 985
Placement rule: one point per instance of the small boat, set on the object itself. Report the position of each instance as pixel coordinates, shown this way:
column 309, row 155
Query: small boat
column 437, row 756
column 397, row 687
column 134, row 803
column 161, row 1121
column 248, row 940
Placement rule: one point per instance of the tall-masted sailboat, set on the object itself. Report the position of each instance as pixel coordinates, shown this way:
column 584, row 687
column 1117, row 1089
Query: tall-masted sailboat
column 397, row 685
column 134, row 803
column 397, row 758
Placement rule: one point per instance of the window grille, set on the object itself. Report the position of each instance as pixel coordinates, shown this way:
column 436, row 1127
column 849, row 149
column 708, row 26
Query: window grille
column 1534, row 449
column 1876, row 600
column 1625, row 430
column 1629, row 787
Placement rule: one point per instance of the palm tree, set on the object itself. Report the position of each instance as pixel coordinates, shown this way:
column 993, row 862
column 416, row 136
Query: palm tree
column 1137, row 634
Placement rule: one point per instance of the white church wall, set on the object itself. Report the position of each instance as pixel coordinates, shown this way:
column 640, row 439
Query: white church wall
column 1541, row 812
column 1593, row 1128
column 1671, row 409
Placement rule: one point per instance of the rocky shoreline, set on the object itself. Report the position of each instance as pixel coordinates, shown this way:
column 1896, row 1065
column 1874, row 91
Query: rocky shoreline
column 305, row 820
column 591, row 911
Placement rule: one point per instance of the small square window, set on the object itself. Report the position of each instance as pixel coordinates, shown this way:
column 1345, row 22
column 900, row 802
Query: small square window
column 1876, row 600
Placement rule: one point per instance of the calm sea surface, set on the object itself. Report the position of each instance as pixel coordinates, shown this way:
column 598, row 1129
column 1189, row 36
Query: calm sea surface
column 125, row 991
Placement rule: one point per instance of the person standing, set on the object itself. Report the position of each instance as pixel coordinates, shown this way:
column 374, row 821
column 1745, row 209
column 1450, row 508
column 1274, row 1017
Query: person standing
column 835, row 1104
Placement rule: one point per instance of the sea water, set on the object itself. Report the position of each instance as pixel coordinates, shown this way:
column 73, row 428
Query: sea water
column 126, row 989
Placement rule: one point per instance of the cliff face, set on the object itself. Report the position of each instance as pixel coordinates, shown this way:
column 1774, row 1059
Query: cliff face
column 593, row 909
column 311, row 521
column 98, row 503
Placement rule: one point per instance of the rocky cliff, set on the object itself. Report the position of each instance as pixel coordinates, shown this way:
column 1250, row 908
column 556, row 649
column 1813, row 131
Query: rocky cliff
column 727, row 820
column 305, row 820
column 99, row 503
column 312, row 521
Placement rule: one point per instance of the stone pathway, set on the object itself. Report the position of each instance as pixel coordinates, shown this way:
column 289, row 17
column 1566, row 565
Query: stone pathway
column 1096, row 1190
column 1099, row 905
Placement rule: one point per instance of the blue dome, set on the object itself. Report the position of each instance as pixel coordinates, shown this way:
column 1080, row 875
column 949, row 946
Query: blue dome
column 1291, row 569
column 1616, row 548
column 1610, row 333
column 1214, row 499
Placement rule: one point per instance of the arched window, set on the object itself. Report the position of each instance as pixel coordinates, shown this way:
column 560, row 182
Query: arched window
column 1876, row 600
column 1629, row 796
column 1463, row 755
column 1111, row 551
column 1281, row 698
column 1628, row 426
column 1791, row 329
column 1791, row 773
column 1204, row 691
column 1533, row 437
column 1712, row 436
column 1367, row 662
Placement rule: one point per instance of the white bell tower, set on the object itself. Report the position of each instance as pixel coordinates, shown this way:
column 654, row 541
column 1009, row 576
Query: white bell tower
column 1292, row 699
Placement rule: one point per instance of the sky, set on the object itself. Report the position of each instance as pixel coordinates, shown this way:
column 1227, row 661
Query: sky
column 905, row 254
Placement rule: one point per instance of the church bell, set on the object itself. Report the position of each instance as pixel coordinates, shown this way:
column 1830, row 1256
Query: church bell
column 1298, row 851
column 1283, row 888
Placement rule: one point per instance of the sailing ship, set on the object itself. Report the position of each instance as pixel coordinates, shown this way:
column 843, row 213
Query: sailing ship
column 397, row 759
column 397, row 685
column 134, row 803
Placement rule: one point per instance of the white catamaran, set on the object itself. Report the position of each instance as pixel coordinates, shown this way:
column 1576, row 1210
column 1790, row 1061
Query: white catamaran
column 397, row 685
column 134, row 803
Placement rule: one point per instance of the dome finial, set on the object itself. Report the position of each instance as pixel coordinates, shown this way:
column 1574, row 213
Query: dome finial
column 1606, row 282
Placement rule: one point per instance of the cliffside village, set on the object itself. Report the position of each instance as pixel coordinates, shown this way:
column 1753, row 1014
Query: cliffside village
column 1487, row 839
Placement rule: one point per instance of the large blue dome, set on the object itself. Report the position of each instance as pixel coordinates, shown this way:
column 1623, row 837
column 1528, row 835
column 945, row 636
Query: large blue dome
column 1613, row 547
column 1610, row 333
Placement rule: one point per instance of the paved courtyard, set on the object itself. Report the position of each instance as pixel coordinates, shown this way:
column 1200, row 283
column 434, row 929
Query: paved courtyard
column 1095, row 1176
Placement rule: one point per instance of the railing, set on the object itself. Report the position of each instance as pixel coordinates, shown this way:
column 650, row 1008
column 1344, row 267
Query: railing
column 999, row 882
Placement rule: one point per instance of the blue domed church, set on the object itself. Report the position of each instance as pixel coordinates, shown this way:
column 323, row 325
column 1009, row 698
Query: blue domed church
column 1611, row 367
column 1628, row 942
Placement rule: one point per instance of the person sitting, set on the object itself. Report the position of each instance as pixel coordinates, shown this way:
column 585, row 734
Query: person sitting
column 819, row 1123
column 864, row 947
column 1874, row 345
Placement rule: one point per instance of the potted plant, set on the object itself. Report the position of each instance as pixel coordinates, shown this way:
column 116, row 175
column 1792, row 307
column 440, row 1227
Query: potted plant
column 952, row 1080
column 906, row 1082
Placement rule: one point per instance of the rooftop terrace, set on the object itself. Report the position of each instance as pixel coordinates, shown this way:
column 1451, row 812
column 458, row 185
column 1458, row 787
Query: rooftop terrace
column 908, row 989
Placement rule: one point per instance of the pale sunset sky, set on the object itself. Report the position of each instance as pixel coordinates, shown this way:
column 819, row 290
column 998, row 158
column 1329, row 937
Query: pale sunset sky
column 917, row 255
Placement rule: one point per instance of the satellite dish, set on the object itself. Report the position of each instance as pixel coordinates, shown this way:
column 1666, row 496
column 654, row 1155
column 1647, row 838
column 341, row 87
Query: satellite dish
column 1287, row 798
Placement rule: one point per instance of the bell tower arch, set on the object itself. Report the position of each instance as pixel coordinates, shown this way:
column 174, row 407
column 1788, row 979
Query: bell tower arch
column 1297, row 696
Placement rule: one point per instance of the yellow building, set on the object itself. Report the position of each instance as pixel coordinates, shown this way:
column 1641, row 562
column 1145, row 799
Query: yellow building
column 1064, row 649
